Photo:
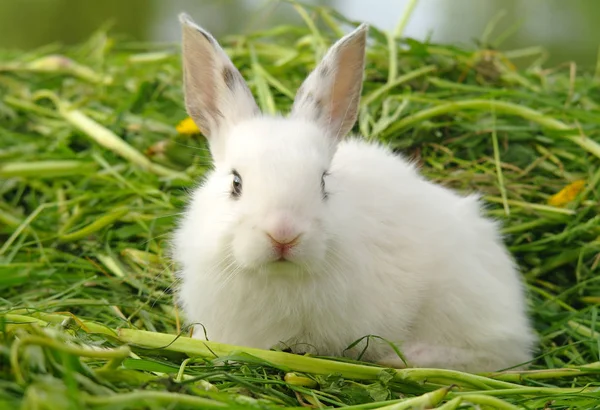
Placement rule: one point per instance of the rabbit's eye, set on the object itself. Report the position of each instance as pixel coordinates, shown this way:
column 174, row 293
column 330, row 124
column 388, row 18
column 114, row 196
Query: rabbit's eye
column 236, row 184
column 323, row 192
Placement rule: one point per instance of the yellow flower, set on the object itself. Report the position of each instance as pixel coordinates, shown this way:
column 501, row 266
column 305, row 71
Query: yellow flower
column 188, row 127
column 567, row 194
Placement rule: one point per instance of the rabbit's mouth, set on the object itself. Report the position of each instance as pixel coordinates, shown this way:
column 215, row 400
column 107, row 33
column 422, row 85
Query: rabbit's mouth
column 283, row 259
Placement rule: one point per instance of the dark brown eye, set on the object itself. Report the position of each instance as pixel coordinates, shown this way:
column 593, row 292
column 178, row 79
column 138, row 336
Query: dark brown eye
column 323, row 192
column 236, row 184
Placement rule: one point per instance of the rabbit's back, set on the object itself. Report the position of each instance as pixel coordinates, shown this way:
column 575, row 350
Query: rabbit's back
column 430, row 248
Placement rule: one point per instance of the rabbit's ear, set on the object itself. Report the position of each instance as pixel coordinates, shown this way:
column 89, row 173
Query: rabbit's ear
column 330, row 95
column 216, row 95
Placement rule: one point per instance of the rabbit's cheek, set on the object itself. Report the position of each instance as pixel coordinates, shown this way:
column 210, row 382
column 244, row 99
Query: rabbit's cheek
column 251, row 249
column 309, row 252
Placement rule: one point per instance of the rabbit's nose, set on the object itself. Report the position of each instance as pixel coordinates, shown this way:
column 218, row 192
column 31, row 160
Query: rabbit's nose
column 283, row 237
column 283, row 231
column 283, row 245
column 282, row 228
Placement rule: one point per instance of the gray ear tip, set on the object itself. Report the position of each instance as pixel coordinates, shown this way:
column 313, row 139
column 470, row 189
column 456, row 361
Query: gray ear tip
column 362, row 30
column 185, row 18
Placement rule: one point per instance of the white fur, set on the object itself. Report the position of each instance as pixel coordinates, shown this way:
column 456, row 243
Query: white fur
column 387, row 253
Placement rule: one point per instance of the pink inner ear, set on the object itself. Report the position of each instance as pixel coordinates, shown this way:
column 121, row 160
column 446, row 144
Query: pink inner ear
column 199, row 71
column 347, row 81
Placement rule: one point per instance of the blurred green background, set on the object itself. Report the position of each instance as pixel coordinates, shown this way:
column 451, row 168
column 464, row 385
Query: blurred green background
column 568, row 29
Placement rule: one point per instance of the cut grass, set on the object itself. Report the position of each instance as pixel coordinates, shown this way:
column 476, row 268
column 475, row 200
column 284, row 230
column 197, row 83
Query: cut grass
column 93, row 175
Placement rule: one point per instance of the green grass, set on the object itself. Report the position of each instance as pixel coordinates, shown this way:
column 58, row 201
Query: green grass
column 93, row 175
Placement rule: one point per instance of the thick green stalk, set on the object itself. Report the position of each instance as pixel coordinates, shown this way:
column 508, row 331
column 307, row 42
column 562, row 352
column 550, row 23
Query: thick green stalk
column 21, row 317
column 45, row 169
column 545, row 374
column 293, row 362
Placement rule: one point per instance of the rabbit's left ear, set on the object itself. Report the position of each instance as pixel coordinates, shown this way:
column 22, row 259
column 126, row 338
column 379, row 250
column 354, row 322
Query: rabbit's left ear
column 216, row 95
column 330, row 95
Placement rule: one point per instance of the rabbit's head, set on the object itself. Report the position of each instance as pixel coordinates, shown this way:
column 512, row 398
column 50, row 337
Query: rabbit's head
column 267, row 200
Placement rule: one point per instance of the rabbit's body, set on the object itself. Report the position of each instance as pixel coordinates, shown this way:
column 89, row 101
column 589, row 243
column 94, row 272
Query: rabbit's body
column 375, row 249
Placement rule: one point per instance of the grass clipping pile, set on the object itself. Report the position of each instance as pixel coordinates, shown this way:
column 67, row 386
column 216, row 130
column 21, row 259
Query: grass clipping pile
column 95, row 162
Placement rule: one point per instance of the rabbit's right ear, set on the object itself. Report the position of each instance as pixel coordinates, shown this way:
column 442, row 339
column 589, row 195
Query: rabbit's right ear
column 216, row 95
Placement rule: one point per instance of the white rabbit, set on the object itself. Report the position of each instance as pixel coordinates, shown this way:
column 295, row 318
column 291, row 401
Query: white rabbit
column 305, row 239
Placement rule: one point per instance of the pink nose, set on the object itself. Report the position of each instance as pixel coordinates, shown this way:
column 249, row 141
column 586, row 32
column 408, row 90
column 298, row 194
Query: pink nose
column 283, row 232
column 283, row 244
